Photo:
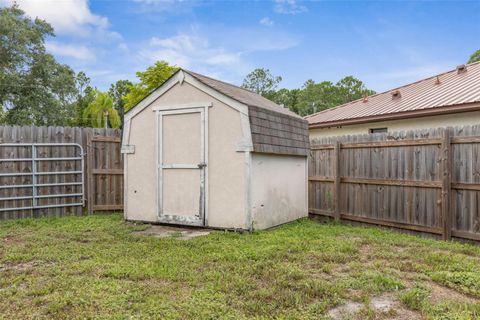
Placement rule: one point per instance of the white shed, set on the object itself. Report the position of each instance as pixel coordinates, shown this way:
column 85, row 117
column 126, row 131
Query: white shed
column 198, row 151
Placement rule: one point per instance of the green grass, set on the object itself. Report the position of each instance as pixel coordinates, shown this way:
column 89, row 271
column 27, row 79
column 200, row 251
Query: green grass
column 95, row 267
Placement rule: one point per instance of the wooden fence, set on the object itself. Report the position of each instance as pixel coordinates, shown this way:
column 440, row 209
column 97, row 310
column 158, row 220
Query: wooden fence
column 102, row 167
column 425, row 180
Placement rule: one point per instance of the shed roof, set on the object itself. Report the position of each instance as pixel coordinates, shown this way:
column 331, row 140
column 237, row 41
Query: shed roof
column 449, row 92
column 242, row 95
column 274, row 129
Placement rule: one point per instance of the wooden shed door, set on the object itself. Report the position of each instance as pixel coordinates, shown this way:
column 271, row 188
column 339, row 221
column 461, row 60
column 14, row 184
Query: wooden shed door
column 182, row 166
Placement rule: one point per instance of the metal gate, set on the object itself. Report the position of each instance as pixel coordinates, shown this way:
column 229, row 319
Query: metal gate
column 37, row 193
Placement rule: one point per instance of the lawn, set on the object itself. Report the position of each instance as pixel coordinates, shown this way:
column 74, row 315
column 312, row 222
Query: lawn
column 97, row 267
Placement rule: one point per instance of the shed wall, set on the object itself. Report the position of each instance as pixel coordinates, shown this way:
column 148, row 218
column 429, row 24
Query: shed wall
column 452, row 120
column 226, row 166
column 279, row 189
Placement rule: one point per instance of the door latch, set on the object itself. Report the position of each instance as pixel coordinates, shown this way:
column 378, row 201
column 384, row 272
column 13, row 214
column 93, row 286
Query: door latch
column 202, row 165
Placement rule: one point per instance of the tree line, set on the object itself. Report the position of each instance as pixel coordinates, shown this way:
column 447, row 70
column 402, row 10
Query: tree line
column 311, row 97
column 37, row 90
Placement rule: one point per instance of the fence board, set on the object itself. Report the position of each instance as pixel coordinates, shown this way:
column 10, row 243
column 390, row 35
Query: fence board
column 16, row 134
column 105, row 173
column 424, row 180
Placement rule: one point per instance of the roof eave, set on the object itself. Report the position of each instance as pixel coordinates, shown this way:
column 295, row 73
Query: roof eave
column 466, row 107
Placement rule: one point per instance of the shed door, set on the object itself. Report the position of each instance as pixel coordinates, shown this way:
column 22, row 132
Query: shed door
column 182, row 166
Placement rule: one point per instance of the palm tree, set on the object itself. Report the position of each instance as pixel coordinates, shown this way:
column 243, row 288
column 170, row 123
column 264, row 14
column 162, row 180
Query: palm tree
column 101, row 111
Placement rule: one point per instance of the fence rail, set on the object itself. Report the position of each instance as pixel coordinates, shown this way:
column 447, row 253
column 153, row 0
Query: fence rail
column 47, row 179
column 425, row 180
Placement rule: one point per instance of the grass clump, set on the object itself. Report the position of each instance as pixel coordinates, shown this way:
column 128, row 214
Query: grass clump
column 415, row 298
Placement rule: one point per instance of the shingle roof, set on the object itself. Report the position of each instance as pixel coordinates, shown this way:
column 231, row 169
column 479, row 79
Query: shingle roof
column 274, row 129
column 448, row 92
column 242, row 95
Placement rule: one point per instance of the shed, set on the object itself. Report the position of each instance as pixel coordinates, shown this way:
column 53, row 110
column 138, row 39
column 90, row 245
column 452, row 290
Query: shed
column 202, row 152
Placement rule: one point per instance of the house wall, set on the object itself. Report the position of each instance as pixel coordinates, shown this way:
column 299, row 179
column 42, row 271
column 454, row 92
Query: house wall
column 226, row 166
column 452, row 120
column 278, row 189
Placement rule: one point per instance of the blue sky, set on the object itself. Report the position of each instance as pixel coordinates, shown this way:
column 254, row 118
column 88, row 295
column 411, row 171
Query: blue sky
column 383, row 43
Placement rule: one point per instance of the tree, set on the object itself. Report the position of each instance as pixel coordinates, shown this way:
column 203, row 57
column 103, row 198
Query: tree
column 34, row 88
column 475, row 57
column 287, row 98
column 312, row 97
column 117, row 91
column 2, row 115
column 150, row 79
column 262, row 82
column 315, row 97
column 100, row 109
column 85, row 95
column 350, row 89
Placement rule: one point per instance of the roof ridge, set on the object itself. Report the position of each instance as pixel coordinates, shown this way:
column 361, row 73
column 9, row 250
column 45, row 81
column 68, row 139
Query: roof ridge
column 390, row 90
column 245, row 96
column 229, row 84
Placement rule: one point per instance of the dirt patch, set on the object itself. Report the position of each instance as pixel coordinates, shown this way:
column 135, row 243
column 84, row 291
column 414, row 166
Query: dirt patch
column 174, row 232
column 365, row 252
column 440, row 294
column 385, row 306
column 345, row 311
column 22, row 266
column 11, row 238
column 351, row 238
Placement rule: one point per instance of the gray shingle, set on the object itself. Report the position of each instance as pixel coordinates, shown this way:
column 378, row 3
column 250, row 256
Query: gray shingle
column 274, row 129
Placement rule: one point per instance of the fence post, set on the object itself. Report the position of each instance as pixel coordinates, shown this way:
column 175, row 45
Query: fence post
column 337, row 181
column 90, row 195
column 446, row 212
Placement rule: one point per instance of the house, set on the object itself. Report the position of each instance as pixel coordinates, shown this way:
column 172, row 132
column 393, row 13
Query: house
column 202, row 152
column 448, row 99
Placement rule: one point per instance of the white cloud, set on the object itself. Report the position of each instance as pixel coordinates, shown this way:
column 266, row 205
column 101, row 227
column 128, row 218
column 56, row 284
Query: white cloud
column 66, row 16
column 289, row 7
column 190, row 50
column 79, row 52
column 224, row 59
column 266, row 22
column 218, row 51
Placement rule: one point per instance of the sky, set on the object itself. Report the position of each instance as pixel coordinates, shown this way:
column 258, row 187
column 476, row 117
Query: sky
column 384, row 43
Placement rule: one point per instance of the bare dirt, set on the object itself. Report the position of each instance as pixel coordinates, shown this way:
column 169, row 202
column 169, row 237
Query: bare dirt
column 440, row 294
column 385, row 306
column 179, row 233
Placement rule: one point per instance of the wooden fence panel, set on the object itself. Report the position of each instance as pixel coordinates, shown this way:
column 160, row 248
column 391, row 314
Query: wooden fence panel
column 466, row 184
column 105, row 174
column 423, row 180
column 17, row 134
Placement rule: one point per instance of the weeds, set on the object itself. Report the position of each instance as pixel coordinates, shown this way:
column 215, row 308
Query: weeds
column 96, row 267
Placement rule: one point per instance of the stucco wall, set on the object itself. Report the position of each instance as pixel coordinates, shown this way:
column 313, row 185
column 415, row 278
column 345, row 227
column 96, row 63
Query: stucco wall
column 279, row 189
column 226, row 166
column 459, row 119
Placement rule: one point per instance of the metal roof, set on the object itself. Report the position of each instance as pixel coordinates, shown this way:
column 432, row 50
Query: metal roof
column 449, row 92
column 274, row 129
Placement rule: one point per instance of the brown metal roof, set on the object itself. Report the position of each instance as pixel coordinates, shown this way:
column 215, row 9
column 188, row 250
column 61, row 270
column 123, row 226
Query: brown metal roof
column 274, row 129
column 449, row 92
